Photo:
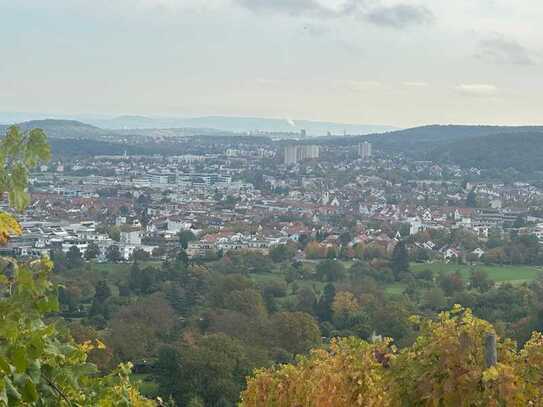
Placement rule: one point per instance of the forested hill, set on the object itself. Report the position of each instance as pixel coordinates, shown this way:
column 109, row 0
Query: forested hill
column 64, row 129
column 521, row 151
column 425, row 138
column 487, row 147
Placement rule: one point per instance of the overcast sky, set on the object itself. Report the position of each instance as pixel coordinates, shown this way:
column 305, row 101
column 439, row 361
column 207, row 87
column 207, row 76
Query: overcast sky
column 397, row 62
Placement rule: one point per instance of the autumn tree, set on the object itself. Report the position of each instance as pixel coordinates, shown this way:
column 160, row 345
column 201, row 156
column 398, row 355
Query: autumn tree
column 314, row 250
column 296, row 332
column 451, row 282
column 345, row 304
column 347, row 374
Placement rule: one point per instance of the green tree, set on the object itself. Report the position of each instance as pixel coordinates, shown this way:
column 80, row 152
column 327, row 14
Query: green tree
column 434, row 299
column 400, row 260
column 182, row 258
column 324, row 306
column 480, row 281
column 471, row 199
column 59, row 260
column 330, row 270
column 114, row 233
column 212, row 368
column 451, row 282
column 306, row 300
column 185, row 237
column 113, row 254
column 74, row 258
column 92, row 251
column 140, row 255
column 99, row 307
column 142, row 281
column 282, row 252
column 138, row 330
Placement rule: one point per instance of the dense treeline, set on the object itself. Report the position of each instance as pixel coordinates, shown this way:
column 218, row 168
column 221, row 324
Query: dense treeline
column 484, row 147
column 87, row 147
column 519, row 151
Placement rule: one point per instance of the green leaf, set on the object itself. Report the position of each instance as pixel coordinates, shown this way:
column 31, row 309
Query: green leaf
column 11, row 391
column 3, row 395
column 34, row 371
column 4, row 365
column 18, row 357
column 30, row 393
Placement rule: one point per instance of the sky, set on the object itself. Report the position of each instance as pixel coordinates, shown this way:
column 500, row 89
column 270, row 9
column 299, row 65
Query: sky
column 393, row 62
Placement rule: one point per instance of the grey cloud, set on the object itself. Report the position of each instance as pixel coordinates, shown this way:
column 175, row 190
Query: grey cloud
column 499, row 49
column 400, row 15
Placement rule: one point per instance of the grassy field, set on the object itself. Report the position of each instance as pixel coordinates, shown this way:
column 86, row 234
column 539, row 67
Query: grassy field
column 500, row 274
column 512, row 274
column 395, row 288
column 122, row 267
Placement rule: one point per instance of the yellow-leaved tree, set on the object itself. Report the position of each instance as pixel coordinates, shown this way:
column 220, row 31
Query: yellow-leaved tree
column 447, row 365
column 40, row 365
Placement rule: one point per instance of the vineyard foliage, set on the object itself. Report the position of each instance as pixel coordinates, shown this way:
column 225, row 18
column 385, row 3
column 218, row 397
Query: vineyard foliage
column 445, row 366
column 40, row 364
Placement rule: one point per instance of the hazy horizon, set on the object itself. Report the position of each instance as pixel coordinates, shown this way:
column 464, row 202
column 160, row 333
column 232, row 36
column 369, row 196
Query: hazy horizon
column 14, row 117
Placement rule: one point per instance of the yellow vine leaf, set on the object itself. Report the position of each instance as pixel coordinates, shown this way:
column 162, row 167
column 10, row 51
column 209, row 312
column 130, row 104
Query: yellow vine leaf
column 8, row 227
column 490, row 374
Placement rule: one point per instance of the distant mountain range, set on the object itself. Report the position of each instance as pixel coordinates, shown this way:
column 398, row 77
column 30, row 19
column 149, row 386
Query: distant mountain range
column 240, row 125
column 216, row 123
